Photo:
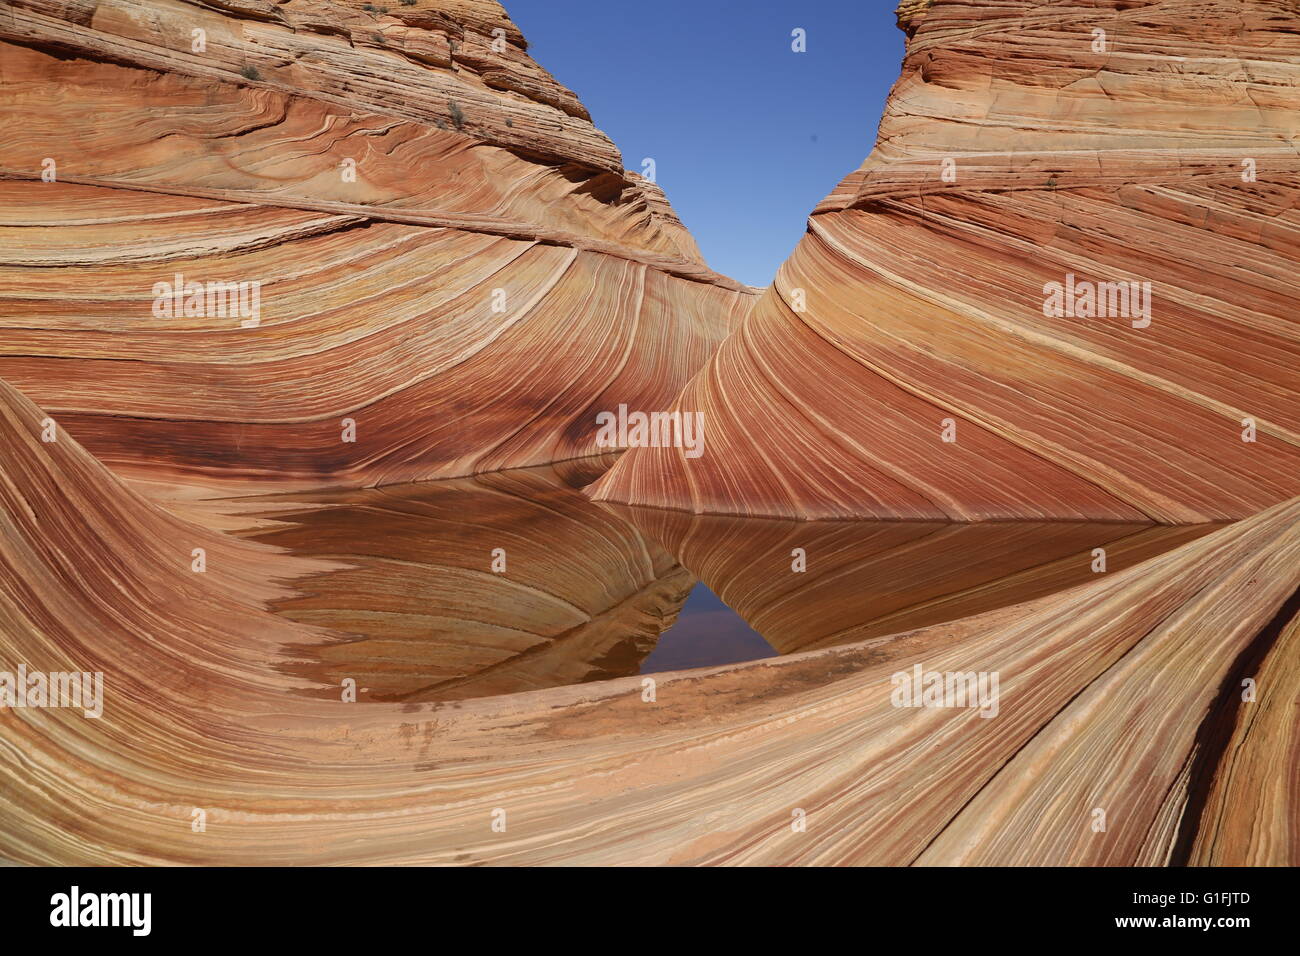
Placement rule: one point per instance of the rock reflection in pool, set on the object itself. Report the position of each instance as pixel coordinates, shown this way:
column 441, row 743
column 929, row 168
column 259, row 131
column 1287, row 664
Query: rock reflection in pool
column 420, row 612
column 814, row 584
column 592, row 592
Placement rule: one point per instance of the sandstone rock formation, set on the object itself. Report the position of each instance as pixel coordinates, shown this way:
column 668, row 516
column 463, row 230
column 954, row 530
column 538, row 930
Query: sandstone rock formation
column 231, row 522
column 194, row 720
column 1027, row 144
column 443, row 250
column 1251, row 806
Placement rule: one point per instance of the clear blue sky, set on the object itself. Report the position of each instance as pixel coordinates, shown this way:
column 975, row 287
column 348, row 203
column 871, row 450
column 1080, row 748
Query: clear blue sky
column 747, row 136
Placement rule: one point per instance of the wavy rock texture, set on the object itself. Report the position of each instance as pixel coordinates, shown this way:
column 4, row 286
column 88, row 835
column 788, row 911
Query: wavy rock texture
column 1162, row 694
column 918, row 297
column 486, row 283
column 1251, row 814
column 199, row 715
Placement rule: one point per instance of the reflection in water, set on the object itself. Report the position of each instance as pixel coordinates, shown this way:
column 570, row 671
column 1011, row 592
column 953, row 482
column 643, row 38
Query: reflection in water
column 515, row 581
column 707, row 633
column 864, row 579
column 506, row 582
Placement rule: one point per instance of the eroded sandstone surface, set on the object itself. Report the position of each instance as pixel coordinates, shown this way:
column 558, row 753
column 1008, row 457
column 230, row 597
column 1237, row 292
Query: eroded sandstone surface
column 230, row 522
column 916, row 357
column 442, row 268
column 1120, row 696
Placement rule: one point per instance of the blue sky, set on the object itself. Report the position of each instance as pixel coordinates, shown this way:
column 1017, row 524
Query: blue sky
column 747, row 136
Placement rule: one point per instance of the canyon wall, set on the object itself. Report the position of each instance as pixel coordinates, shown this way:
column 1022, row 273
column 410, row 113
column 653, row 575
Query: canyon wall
column 442, row 267
column 940, row 345
column 389, row 177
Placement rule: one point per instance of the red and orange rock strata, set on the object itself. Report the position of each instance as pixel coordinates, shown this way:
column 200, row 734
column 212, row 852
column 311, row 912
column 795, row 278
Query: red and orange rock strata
column 449, row 253
column 1024, row 143
column 202, row 712
column 917, row 301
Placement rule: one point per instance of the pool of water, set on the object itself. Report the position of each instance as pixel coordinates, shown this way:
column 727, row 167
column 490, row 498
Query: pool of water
column 515, row 581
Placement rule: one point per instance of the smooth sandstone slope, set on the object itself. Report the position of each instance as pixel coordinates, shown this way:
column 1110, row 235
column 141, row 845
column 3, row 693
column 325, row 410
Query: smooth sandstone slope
column 1114, row 696
column 1025, row 142
column 449, row 253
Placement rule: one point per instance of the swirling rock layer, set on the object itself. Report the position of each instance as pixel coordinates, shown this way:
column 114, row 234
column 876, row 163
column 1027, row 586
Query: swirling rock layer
column 904, row 363
column 201, row 712
column 487, row 281
column 446, row 252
